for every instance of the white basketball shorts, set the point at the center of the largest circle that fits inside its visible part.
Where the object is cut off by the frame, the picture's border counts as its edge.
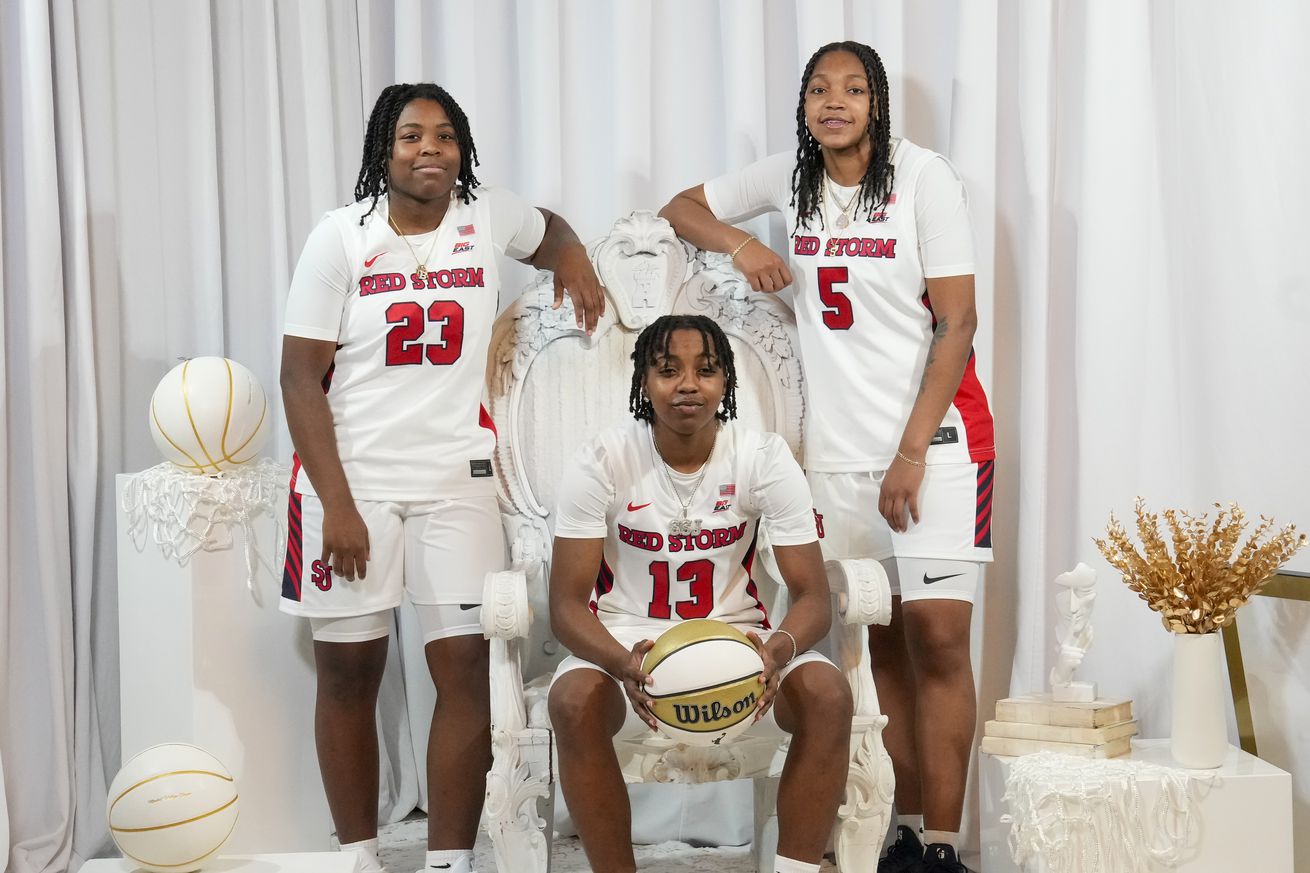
(629, 635)
(936, 557)
(438, 552)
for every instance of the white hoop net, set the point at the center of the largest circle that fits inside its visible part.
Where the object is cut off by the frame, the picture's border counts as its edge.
(1084, 815)
(184, 513)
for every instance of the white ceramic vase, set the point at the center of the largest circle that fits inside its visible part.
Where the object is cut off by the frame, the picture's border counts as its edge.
(1200, 724)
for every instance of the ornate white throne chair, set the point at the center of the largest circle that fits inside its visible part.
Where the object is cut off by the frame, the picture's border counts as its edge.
(552, 388)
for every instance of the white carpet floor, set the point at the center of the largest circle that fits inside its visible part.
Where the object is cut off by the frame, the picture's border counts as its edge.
(403, 845)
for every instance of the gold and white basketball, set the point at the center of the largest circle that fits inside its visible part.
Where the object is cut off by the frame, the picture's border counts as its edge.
(208, 415)
(706, 681)
(172, 807)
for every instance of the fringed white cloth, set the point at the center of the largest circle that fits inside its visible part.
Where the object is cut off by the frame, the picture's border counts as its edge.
(1085, 815)
(184, 513)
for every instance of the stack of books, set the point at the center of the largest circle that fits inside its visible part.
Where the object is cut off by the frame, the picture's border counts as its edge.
(1101, 728)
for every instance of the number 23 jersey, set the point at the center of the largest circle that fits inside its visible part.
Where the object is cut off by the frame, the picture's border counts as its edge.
(405, 386)
(616, 490)
(862, 311)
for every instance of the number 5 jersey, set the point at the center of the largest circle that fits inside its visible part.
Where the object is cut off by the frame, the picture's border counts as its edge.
(862, 310)
(617, 489)
(405, 386)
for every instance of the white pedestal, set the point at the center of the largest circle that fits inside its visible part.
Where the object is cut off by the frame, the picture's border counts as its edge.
(202, 661)
(309, 862)
(1245, 814)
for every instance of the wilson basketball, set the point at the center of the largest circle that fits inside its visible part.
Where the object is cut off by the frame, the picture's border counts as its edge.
(706, 681)
(208, 415)
(172, 807)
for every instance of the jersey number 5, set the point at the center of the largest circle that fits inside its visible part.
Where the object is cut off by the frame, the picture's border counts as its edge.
(837, 315)
(403, 345)
(701, 576)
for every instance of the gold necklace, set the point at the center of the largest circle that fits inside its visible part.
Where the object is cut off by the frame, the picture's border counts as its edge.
(422, 271)
(843, 220)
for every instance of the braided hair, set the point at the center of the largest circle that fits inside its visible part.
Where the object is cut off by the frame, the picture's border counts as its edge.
(380, 138)
(807, 178)
(653, 344)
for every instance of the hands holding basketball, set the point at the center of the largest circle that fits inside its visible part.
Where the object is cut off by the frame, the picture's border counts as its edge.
(769, 678)
(635, 680)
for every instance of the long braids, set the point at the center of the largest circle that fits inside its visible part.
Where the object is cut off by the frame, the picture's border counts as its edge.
(807, 178)
(380, 137)
(653, 344)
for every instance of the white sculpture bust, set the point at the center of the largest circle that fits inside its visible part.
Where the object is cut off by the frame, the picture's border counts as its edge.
(1073, 633)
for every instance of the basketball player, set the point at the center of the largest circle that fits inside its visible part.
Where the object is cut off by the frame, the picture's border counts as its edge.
(899, 447)
(383, 362)
(658, 521)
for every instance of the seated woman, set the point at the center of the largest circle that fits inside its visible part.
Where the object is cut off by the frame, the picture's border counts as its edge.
(655, 483)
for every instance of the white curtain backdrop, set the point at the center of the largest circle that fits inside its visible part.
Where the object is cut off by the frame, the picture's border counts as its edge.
(1136, 174)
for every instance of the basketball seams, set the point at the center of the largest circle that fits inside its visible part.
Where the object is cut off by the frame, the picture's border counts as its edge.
(703, 689)
(183, 864)
(174, 824)
(129, 789)
(186, 403)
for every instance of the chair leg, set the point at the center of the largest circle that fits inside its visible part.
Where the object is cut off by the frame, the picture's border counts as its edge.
(520, 837)
(765, 845)
(863, 817)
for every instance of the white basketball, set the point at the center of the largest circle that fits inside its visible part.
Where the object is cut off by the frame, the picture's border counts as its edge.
(208, 415)
(172, 807)
(706, 681)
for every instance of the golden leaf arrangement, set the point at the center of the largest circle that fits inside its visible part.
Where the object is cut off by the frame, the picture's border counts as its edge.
(1198, 589)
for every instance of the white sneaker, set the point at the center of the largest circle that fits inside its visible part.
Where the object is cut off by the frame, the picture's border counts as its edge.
(463, 865)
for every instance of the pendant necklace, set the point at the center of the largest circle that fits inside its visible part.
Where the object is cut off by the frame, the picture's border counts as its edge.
(843, 219)
(682, 525)
(422, 271)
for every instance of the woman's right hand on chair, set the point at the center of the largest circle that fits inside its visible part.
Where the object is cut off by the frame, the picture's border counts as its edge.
(345, 541)
(762, 267)
(635, 680)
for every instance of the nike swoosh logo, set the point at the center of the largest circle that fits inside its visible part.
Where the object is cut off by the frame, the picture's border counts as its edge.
(369, 263)
(928, 580)
(468, 606)
(633, 507)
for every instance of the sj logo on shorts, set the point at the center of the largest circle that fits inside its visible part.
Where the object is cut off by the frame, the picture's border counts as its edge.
(321, 575)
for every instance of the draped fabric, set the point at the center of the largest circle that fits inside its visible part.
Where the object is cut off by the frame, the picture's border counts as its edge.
(1135, 178)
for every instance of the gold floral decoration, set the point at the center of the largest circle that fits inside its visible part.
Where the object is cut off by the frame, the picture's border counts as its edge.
(1199, 587)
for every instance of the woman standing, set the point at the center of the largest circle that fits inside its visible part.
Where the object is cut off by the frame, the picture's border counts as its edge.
(899, 445)
(383, 362)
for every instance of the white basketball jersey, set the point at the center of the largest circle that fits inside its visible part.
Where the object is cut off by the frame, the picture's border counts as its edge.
(862, 308)
(405, 387)
(618, 489)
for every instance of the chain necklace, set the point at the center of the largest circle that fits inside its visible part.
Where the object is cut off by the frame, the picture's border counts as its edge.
(422, 271)
(682, 525)
(843, 220)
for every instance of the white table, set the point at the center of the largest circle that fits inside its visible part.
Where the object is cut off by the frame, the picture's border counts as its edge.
(203, 661)
(305, 862)
(1245, 814)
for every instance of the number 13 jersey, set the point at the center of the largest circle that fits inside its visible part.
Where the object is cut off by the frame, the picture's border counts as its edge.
(405, 386)
(862, 307)
(616, 489)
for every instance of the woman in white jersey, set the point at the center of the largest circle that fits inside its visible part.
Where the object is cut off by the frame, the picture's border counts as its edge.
(383, 361)
(899, 447)
(625, 569)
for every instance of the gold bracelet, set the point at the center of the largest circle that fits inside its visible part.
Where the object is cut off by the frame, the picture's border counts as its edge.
(737, 250)
(910, 460)
(793, 645)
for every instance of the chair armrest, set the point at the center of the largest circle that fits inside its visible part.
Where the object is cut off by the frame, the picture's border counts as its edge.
(506, 613)
(862, 589)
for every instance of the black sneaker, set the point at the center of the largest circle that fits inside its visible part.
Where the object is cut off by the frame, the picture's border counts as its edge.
(905, 855)
(940, 858)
